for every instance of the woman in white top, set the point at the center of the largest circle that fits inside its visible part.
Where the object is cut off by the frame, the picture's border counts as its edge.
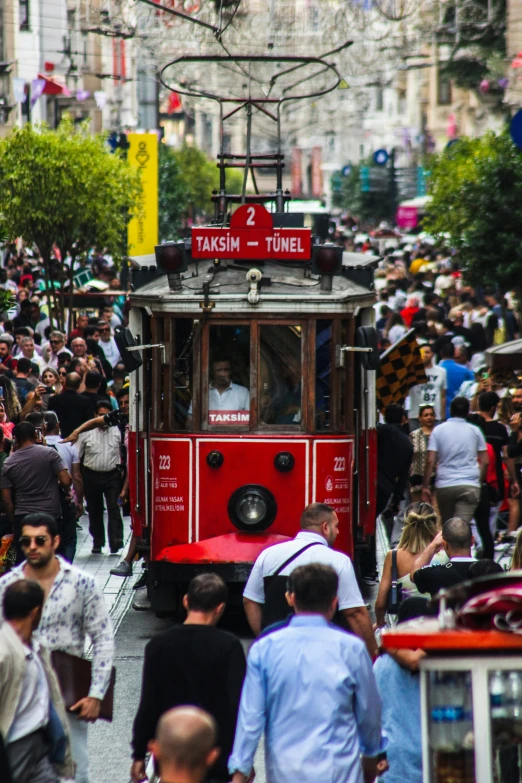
(421, 525)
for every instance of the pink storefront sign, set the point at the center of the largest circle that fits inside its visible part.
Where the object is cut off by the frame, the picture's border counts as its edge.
(407, 217)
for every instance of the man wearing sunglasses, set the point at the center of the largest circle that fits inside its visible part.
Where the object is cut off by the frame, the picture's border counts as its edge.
(108, 344)
(74, 608)
(57, 344)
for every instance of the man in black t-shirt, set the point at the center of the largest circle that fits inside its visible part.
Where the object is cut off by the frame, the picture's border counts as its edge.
(192, 664)
(71, 408)
(456, 539)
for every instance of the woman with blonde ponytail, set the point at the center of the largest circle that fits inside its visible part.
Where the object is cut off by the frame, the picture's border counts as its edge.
(421, 525)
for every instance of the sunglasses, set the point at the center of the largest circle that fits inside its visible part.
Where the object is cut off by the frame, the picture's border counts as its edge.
(54, 342)
(25, 541)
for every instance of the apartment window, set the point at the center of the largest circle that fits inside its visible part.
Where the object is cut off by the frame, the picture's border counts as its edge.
(379, 98)
(444, 91)
(23, 6)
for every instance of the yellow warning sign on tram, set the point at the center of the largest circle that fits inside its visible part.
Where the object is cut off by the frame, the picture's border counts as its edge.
(142, 232)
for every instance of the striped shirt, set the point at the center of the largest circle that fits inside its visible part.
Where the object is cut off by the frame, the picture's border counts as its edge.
(100, 449)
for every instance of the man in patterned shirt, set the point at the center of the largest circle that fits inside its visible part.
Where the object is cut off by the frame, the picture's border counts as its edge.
(74, 608)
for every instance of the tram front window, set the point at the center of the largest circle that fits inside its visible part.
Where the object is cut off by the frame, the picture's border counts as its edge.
(323, 347)
(182, 372)
(229, 376)
(280, 387)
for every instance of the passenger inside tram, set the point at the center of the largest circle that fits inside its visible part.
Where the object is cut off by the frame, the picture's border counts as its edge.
(224, 395)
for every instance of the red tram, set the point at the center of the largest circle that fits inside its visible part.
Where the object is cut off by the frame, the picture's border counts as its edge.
(250, 408)
(256, 391)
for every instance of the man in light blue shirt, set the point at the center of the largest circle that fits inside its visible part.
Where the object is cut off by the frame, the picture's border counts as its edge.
(456, 374)
(310, 687)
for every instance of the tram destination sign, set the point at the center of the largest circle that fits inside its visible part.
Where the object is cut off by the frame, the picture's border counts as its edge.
(251, 236)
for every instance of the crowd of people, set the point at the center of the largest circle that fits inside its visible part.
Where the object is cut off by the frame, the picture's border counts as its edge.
(421, 289)
(448, 488)
(203, 706)
(52, 382)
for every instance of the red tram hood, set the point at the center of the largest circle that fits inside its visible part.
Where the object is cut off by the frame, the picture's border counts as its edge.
(229, 548)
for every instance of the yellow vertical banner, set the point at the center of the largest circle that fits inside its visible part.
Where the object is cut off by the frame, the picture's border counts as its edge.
(142, 232)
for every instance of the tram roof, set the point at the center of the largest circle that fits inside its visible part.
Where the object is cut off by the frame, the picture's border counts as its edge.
(282, 289)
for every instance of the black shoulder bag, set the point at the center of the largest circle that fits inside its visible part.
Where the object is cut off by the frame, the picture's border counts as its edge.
(395, 594)
(275, 608)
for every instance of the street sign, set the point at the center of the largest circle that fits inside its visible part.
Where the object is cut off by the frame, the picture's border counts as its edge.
(380, 157)
(251, 236)
(347, 170)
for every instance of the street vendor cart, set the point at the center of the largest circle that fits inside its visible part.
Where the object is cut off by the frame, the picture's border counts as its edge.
(471, 699)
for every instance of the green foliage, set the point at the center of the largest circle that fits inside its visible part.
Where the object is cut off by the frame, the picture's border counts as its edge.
(365, 207)
(172, 196)
(186, 181)
(7, 300)
(65, 188)
(476, 187)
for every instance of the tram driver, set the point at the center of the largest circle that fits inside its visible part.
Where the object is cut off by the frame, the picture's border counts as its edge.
(228, 402)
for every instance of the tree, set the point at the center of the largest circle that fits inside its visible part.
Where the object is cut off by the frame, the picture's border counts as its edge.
(186, 181)
(64, 188)
(370, 207)
(172, 196)
(476, 190)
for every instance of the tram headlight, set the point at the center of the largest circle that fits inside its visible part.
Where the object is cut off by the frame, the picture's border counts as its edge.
(327, 259)
(171, 257)
(252, 508)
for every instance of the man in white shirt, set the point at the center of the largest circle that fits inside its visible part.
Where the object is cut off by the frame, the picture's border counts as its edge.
(74, 610)
(57, 347)
(100, 451)
(28, 351)
(431, 393)
(313, 544)
(223, 395)
(226, 400)
(459, 450)
(108, 344)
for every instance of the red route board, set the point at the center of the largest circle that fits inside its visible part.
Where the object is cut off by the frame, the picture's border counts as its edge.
(251, 236)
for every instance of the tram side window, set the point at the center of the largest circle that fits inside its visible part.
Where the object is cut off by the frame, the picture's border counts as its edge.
(323, 377)
(280, 381)
(229, 376)
(182, 373)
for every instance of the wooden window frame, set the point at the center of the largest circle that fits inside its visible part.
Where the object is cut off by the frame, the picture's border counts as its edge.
(163, 329)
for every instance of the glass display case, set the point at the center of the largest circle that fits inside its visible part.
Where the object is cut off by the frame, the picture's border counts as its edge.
(471, 703)
(472, 719)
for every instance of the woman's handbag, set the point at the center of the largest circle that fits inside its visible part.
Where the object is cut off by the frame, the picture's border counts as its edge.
(395, 594)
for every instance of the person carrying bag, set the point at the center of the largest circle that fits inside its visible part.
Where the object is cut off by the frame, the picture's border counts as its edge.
(276, 608)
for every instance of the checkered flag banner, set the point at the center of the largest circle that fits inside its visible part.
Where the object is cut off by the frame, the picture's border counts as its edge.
(401, 368)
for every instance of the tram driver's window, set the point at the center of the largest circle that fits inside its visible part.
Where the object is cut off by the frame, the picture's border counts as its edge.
(229, 376)
(182, 369)
(280, 383)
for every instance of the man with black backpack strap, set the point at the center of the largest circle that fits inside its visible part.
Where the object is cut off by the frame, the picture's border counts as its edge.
(264, 595)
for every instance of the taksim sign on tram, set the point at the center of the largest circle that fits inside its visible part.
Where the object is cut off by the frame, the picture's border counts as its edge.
(251, 235)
